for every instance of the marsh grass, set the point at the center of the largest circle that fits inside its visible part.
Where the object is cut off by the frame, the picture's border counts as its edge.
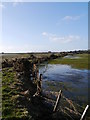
(9, 109)
(80, 63)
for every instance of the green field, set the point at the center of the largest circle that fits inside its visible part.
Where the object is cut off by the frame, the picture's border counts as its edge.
(81, 62)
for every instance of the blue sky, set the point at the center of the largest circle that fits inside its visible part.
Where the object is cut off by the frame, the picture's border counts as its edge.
(37, 27)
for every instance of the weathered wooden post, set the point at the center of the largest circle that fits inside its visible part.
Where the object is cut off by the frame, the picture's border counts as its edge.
(34, 72)
(37, 75)
(39, 85)
(84, 113)
(57, 101)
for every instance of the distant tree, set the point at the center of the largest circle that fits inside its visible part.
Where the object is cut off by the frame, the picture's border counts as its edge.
(49, 52)
(2, 52)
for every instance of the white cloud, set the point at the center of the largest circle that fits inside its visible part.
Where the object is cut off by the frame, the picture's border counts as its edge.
(64, 39)
(45, 34)
(68, 18)
(61, 39)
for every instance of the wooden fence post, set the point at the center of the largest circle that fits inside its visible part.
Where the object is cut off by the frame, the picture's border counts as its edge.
(57, 101)
(84, 113)
(39, 84)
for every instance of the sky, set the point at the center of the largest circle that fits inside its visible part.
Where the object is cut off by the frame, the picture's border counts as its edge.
(44, 0)
(42, 27)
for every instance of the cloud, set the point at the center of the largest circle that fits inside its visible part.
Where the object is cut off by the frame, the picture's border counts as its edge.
(68, 18)
(45, 34)
(61, 39)
(64, 39)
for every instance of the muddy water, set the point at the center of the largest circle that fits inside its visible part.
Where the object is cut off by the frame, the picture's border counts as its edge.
(73, 82)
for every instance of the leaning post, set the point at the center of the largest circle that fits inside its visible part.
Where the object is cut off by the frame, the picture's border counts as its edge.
(84, 113)
(57, 101)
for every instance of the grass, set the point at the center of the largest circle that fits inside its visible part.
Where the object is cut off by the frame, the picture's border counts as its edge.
(9, 108)
(16, 106)
(0, 74)
(79, 63)
(0, 93)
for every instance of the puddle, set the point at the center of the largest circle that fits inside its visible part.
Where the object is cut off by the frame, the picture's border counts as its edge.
(72, 57)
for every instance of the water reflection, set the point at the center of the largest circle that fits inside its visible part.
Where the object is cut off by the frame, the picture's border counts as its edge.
(73, 82)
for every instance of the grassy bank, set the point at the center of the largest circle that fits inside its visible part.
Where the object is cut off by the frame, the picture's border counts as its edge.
(81, 62)
(10, 93)
(16, 105)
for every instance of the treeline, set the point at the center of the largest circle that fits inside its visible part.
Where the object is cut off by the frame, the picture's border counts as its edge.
(50, 52)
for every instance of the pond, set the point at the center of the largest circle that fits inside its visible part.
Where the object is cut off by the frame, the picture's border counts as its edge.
(72, 57)
(73, 82)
